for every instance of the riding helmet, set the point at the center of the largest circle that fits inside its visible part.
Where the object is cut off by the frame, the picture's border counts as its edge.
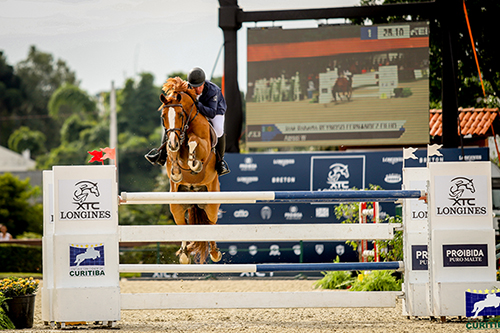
(196, 77)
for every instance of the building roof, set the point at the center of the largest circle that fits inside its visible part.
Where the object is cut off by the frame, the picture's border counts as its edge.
(473, 121)
(11, 161)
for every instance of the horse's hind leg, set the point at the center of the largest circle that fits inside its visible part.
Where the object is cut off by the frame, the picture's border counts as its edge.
(215, 253)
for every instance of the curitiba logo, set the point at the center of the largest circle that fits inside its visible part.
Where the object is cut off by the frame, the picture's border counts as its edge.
(86, 203)
(480, 304)
(86, 260)
(463, 201)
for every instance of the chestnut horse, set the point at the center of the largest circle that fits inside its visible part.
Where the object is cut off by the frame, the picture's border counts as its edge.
(190, 163)
(342, 85)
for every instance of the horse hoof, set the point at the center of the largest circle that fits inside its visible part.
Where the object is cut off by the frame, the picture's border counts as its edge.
(184, 259)
(217, 258)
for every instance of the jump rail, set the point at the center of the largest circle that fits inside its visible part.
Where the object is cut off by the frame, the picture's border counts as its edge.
(257, 232)
(260, 268)
(267, 197)
(261, 300)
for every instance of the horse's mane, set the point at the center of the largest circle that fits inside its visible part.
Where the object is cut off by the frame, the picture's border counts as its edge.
(176, 84)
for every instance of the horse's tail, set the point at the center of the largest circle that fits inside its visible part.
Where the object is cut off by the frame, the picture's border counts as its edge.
(200, 250)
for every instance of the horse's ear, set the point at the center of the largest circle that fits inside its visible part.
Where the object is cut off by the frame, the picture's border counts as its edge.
(163, 99)
(179, 97)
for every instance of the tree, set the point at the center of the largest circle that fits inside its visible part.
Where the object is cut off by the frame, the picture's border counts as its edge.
(138, 106)
(182, 75)
(41, 75)
(11, 99)
(138, 119)
(25, 138)
(136, 174)
(78, 137)
(17, 212)
(69, 100)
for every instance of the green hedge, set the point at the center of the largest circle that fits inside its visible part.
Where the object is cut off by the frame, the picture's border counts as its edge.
(28, 259)
(149, 254)
(20, 258)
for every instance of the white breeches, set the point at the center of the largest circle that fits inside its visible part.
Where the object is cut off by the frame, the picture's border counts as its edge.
(218, 124)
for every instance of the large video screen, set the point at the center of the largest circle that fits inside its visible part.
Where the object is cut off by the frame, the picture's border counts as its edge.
(338, 85)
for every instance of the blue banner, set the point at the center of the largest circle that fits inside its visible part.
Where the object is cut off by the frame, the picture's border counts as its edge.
(318, 171)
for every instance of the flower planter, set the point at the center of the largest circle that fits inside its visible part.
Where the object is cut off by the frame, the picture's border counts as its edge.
(21, 310)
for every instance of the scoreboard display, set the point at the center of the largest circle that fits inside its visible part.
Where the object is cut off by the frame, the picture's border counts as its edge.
(338, 85)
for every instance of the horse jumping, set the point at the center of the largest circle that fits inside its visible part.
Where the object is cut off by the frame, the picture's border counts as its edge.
(190, 163)
(342, 85)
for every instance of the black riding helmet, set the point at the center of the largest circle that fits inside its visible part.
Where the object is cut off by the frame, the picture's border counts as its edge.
(196, 77)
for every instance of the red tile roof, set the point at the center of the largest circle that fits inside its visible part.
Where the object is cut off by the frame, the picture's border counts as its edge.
(472, 121)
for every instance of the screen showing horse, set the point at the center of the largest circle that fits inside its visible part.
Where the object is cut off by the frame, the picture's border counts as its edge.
(338, 85)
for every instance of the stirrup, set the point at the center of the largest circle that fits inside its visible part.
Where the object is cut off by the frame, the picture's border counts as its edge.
(152, 156)
(156, 156)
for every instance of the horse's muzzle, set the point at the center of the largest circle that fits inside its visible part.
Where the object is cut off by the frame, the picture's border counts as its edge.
(173, 148)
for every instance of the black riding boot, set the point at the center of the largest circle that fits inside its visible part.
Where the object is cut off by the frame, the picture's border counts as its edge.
(221, 166)
(158, 155)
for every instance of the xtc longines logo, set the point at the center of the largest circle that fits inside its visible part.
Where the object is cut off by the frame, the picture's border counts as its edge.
(462, 198)
(337, 171)
(83, 189)
(86, 203)
(457, 189)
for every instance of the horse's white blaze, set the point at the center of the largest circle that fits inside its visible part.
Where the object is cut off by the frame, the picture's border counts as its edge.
(171, 122)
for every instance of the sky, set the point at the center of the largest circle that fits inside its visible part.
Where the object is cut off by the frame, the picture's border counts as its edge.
(106, 41)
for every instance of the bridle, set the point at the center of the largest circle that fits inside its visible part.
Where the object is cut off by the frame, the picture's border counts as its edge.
(186, 120)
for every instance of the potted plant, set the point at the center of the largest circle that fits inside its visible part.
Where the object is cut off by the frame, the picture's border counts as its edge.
(20, 300)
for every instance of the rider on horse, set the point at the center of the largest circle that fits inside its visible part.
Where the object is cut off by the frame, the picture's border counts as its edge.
(212, 105)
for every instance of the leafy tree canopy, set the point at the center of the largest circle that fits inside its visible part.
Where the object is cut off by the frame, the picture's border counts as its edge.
(25, 138)
(11, 98)
(138, 105)
(17, 212)
(482, 16)
(69, 100)
(40, 76)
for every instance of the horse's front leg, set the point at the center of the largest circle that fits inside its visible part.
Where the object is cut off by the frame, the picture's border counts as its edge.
(179, 214)
(194, 164)
(173, 165)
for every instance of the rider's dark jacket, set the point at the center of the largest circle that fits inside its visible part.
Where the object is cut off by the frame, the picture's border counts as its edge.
(211, 101)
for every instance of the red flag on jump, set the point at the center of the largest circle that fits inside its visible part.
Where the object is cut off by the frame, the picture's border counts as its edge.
(109, 153)
(96, 156)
